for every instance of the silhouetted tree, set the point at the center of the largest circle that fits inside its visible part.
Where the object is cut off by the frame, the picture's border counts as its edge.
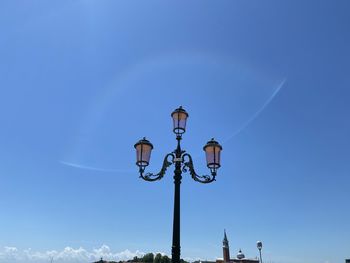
(165, 259)
(158, 258)
(148, 258)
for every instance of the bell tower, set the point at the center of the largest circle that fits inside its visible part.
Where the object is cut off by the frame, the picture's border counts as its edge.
(226, 249)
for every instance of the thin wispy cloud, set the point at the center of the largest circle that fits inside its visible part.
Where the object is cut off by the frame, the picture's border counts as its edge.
(98, 169)
(258, 112)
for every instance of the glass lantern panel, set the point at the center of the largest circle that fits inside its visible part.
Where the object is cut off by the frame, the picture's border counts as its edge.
(179, 121)
(143, 154)
(213, 156)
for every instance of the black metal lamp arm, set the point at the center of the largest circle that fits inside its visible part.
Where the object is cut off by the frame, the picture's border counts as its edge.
(154, 177)
(188, 166)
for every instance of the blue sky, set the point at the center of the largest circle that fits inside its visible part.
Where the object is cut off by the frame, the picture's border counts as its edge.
(82, 81)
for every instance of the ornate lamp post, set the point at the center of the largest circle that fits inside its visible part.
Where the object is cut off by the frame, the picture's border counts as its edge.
(183, 163)
(259, 246)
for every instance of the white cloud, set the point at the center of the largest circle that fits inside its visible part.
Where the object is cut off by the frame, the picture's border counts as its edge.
(67, 255)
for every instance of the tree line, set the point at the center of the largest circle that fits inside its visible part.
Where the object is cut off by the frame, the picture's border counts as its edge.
(157, 258)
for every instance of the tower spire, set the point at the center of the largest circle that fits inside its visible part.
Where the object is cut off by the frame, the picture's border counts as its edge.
(226, 248)
(225, 237)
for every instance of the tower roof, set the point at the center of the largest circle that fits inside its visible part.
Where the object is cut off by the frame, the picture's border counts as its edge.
(225, 237)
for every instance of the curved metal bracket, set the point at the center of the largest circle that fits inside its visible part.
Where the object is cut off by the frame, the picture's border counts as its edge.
(188, 166)
(154, 177)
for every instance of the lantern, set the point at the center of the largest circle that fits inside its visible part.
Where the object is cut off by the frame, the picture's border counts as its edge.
(179, 120)
(259, 245)
(143, 152)
(212, 151)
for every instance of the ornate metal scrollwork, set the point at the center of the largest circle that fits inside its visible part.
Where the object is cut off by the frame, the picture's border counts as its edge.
(154, 177)
(188, 166)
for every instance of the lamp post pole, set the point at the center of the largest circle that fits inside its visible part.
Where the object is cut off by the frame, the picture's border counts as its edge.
(183, 163)
(259, 246)
(175, 250)
(260, 256)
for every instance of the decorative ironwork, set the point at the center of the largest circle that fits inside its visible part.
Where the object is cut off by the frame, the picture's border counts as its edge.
(188, 166)
(154, 177)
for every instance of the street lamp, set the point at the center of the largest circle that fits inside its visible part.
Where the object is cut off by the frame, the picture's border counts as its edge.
(259, 246)
(183, 163)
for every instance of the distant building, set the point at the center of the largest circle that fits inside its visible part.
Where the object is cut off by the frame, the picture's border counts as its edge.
(104, 261)
(240, 258)
(347, 260)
